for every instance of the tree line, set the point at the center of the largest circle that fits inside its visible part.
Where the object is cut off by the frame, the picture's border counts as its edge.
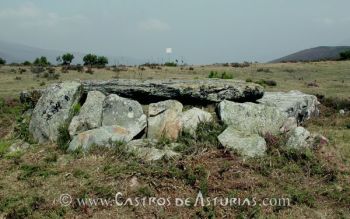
(66, 59)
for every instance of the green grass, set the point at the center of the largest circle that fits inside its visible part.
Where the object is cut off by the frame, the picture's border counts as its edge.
(4, 146)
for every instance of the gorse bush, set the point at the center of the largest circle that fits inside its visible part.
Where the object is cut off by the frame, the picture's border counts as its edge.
(170, 64)
(42, 61)
(205, 137)
(334, 102)
(266, 70)
(345, 55)
(63, 137)
(2, 61)
(223, 75)
(264, 82)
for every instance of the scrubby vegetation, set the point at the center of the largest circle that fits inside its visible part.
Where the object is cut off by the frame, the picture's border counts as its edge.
(42, 61)
(170, 64)
(223, 75)
(264, 83)
(345, 55)
(94, 60)
(2, 61)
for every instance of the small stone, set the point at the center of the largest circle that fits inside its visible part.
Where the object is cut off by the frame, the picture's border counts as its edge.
(192, 118)
(146, 150)
(299, 138)
(249, 145)
(104, 136)
(290, 124)
(252, 118)
(164, 120)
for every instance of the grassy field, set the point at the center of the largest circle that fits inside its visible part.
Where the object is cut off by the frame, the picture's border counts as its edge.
(333, 78)
(316, 182)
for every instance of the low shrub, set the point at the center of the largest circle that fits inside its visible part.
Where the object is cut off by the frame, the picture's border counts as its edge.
(37, 69)
(63, 137)
(334, 102)
(223, 75)
(170, 64)
(76, 109)
(263, 82)
(266, 70)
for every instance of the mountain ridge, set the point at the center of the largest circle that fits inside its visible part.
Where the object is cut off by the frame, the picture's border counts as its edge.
(18, 53)
(314, 54)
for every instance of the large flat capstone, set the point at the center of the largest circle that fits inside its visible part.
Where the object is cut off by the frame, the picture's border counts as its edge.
(200, 91)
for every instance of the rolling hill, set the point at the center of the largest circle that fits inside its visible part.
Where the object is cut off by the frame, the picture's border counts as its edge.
(18, 53)
(314, 54)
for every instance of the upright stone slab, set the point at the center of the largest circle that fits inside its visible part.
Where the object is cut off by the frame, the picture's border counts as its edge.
(123, 112)
(297, 104)
(104, 136)
(90, 115)
(251, 117)
(53, 109)
(164, 120)
(192, 118)
(249, 145)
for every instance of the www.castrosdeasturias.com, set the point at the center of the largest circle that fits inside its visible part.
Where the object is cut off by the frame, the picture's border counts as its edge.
(119, 200)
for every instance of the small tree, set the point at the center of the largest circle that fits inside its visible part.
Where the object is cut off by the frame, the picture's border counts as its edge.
(26, 63)
(2, 61)
(42, 61)
(102, 61)
(67, 58)
(90, 59)
(345, 55)
(58, 60)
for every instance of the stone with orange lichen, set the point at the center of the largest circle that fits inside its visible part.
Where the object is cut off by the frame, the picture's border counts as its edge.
(164, 120)
(104, 136)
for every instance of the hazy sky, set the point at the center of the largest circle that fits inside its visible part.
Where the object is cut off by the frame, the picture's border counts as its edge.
(202, 31)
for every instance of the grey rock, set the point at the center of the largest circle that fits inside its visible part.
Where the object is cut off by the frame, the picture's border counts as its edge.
(200, 91)
(290, 124)
(299, 138)
(192, 118)
(19, 145)
(295, 103)
(342, 112)
(31, 98)
(123, 112)
(53, 109)
(155, 109)
(145, 149)
(249, 145)
(251, 117)
(90, 115)
(104, 136)
(164, 120)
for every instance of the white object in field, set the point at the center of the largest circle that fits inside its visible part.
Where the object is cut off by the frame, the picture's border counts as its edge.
(169, 50)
